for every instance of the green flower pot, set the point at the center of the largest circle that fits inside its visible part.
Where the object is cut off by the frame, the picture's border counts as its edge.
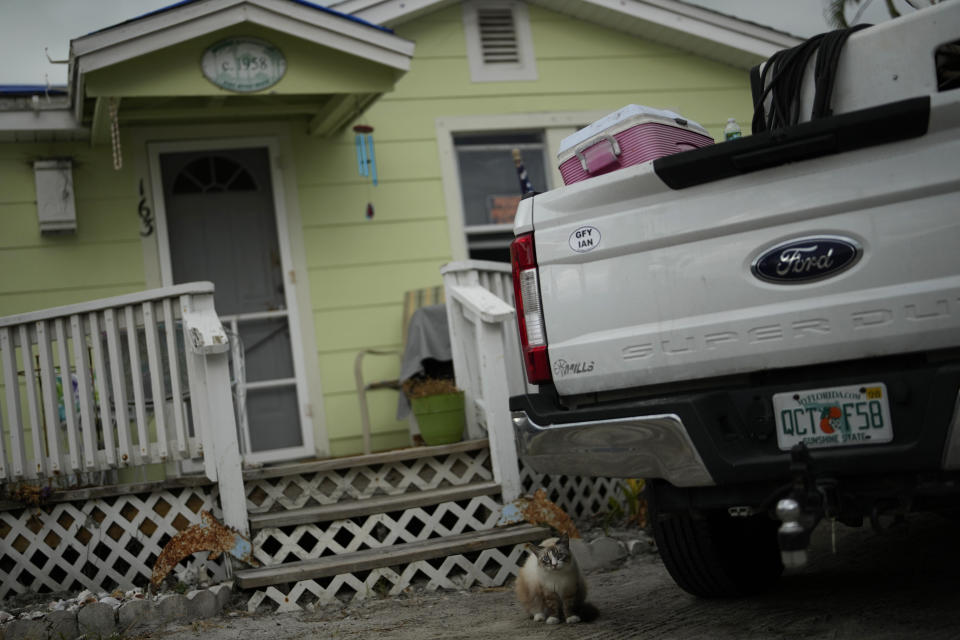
(440, 417)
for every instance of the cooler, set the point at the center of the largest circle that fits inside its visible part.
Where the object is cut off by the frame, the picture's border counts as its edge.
(628, 136)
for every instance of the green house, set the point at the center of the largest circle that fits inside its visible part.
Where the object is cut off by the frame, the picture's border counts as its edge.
(317, 163)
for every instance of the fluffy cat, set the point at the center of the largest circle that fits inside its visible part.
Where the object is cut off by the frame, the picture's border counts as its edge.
(550, 586)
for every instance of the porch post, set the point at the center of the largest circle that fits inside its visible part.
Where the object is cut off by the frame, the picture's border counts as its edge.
(210, 349)
(486, 387)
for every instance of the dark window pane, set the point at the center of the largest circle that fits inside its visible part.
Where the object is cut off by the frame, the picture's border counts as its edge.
(224, 169)
(243, 181)
(184, 184)
(200, 170)
(488, 176)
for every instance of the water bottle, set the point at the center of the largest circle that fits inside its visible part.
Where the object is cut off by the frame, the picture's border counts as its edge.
(732, 130)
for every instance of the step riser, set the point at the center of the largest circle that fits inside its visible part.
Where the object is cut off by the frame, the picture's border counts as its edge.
(305, 487)
(274, 546)
(488, 568)
(377, 504)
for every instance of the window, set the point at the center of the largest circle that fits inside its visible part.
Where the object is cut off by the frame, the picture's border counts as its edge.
(480, 182)
(490, 186)
(499, 44)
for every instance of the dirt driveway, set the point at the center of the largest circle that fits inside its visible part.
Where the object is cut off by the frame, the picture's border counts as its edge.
(890, 586)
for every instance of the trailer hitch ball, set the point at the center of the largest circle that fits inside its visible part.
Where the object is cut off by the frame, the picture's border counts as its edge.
(792, 536)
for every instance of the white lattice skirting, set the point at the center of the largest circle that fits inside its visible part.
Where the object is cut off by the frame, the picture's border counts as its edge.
(100, 544)
(579, 496)
(276, 545)
(487, 568)
(356, 483)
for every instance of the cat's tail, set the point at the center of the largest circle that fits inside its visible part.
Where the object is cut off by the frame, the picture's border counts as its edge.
(588, 612)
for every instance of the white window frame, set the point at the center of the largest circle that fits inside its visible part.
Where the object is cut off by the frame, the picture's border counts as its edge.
(525, 70)
(555, 127)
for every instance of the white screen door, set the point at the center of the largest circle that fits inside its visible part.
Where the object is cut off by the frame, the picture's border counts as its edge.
(221, 226)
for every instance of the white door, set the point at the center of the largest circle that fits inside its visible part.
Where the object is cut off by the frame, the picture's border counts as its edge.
(221, 226)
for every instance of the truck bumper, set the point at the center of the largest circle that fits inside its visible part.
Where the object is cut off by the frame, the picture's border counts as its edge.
(723, 432)
(651, 446)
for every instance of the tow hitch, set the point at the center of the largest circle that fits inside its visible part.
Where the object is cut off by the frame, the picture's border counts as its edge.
(800, 513)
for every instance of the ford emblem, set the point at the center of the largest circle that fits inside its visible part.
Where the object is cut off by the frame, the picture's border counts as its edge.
(806, 259)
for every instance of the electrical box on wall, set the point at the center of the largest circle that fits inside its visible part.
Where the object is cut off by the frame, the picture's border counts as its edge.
(56, 210)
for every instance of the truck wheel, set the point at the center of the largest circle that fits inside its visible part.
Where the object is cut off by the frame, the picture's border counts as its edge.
(715, 555)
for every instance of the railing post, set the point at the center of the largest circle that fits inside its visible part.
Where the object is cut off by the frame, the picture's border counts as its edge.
(503, 445)
(488, 316)
(210, 352)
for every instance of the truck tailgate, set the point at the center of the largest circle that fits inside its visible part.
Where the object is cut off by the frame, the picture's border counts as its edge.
(643, 285)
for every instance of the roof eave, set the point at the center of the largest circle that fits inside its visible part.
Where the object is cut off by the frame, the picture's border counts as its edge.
(43, 120)
(702, 31)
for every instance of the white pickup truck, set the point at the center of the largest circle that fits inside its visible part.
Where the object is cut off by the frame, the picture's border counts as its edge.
(767, 329)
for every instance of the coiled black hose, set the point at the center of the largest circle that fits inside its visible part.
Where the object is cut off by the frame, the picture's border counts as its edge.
(781, 79)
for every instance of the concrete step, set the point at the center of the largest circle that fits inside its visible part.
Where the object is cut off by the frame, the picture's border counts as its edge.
(397, 554)
(376, 504)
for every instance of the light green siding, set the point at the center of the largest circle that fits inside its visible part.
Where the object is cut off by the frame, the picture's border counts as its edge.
(103, 258)
(357, 268)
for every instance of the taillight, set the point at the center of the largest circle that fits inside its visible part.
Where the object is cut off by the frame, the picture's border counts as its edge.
(526, 293)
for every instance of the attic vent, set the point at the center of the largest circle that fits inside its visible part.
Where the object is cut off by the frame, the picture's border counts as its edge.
(498, 38)
(499, 45)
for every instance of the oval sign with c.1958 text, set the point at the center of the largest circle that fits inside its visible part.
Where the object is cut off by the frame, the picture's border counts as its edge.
(806, 259)
(243, 64)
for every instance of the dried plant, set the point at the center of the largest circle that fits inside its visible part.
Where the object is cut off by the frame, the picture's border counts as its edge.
(424, 387)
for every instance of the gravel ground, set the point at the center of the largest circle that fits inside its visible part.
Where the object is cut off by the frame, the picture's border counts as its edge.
(888, 586)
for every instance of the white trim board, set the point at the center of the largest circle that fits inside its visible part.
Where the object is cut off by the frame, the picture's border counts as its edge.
(298, 344)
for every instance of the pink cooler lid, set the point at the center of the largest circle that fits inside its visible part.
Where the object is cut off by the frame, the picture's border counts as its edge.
(624, 118)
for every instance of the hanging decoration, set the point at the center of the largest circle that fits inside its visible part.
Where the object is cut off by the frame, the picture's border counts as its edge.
(115, 136)
(366, 160)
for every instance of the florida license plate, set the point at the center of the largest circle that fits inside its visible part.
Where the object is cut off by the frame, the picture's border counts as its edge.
(833, 417)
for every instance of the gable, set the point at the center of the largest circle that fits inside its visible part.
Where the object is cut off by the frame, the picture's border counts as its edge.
(325, 65)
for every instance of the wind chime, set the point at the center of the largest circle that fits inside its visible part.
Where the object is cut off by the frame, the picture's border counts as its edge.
(366, 160)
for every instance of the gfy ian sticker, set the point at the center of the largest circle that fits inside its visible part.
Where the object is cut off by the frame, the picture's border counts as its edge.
(585, 239)
(563, 368)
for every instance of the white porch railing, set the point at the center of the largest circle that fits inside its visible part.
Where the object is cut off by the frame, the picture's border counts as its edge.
(486, 358)
(116, 383)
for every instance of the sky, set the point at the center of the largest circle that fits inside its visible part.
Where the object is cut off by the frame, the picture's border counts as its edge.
(27, 27)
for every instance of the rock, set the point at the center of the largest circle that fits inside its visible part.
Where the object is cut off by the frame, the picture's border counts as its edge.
(22, 629)
(171, 608)
(222, 592)
(602, 553)
(97, 618)
(201, 604)
(58, 605)
(136, 615)
(62, 624)
(637, 547)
